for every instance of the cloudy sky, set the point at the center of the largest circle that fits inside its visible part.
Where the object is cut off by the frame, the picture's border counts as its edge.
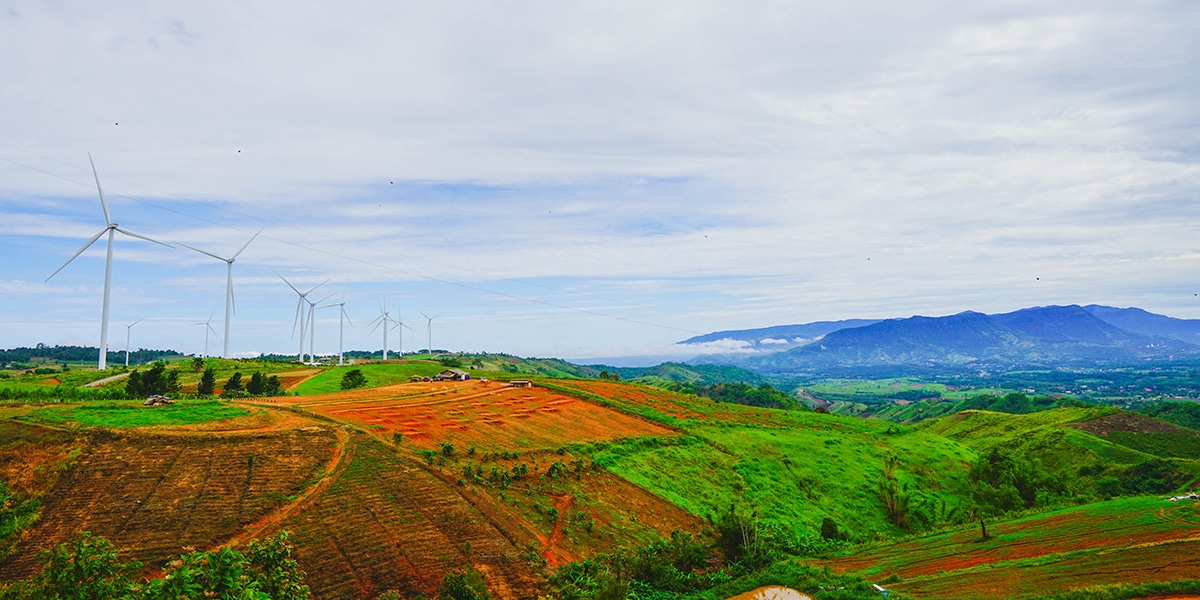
(592, 179)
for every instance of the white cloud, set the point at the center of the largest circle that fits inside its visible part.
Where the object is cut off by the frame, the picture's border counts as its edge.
(693, 165)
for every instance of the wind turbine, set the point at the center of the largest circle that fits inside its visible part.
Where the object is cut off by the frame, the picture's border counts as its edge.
(207, 328)
(399, 321)
(342, 318)
(299, 311)
(429, 330)
(109, 228)
(312, 326)
(128, 327)
(383, 319)
(229, 304)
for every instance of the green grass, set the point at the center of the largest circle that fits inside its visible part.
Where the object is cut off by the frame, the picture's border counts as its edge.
(794, 476)
(132, 414)
(377, 374)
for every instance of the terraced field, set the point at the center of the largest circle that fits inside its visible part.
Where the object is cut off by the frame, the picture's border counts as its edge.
(1129, 540)
(154, 494)
(386, 523)
(488, 415)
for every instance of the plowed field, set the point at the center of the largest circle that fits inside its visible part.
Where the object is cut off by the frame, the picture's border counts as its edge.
(491, 415)
(151, 495)
(386, 524)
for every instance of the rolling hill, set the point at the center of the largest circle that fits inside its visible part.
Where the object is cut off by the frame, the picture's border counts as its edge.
(396, 486)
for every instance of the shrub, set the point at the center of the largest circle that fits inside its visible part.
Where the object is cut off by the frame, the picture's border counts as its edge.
(353, 378)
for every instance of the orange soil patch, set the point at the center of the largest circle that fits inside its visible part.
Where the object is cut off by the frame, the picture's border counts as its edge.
(50, 381)
(477, 414)
(673, 404)
(290, 379)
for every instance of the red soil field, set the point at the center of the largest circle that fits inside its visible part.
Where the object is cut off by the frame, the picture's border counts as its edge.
(386, 523)
(488, 415)
(681, 406)
(151, 495)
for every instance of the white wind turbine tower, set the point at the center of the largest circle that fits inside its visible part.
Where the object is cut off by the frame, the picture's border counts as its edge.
(207, 328)
(383, 319)
(399, 321)
(299, 311)
(312, 326)
(128, 327)
(229, 304)
(429, 330)
(109, 228)
(342, 319)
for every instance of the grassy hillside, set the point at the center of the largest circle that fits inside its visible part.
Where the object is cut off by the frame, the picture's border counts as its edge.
(793, 468)
(1114, 542)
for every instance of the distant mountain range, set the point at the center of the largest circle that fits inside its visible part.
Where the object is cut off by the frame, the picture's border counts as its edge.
(1047, 336)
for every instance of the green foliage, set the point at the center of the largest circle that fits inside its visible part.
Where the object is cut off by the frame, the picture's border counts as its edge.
(463, 585)
(197, 364)
(1182, 413)
(257, 385)
(233, 386)
(208, 383)
(87, 568)
(763, 396)
(352, 379)
(16, 513)
(1003, 482)
(153, 381)
(1155, 476)
(450, 362)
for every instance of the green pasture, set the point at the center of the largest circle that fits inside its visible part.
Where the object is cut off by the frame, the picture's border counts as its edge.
(127, 414)
(377, 374)
(1037, 554)
(794, 476)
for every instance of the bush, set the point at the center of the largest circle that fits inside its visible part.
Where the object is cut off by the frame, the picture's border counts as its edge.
(353, 378)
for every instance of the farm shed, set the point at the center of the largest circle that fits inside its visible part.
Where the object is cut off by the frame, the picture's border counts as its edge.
(453, 375)
(521, 383)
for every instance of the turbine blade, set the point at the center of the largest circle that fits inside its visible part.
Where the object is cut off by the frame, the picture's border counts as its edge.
(316, 286)
(235, 254)
(296, 319)
(423, 314)
(289, 284)
(408, 328)
(232, 297)
(103, 203)
(346, 315)
(140, 236)
(78, 252)
(200, 251)
(323, 299)
(136, 322)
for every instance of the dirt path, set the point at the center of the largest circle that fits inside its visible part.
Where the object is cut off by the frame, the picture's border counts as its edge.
(553, 552)
(100, 382)
(343, 452)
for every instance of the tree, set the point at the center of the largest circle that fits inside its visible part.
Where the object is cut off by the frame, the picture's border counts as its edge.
(353, 378)
(257, 385)
(208, 383)
(463, 585)
(197, 364)
(86, 567)
(233, 386)
(279, 574)
(274, 387)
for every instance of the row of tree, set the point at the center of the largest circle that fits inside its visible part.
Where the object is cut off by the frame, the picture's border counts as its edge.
(158, 380)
